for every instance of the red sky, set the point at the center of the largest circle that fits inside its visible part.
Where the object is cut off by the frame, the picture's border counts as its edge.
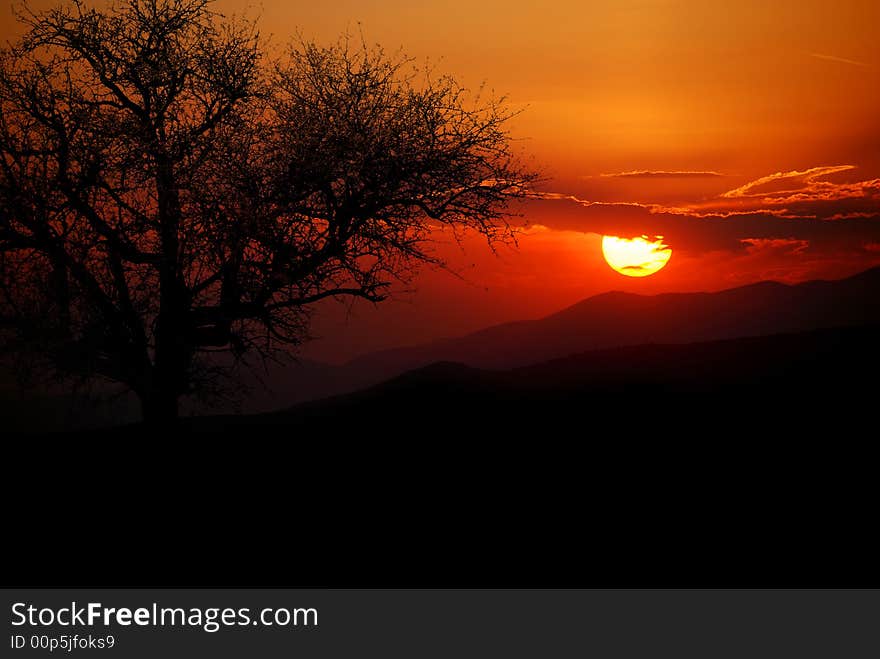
(745, 133)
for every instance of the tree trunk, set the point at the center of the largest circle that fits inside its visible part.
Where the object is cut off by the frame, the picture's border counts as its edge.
(159, 406)
(166, 377)
(170, 357)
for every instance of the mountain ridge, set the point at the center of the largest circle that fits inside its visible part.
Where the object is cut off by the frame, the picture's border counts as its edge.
(754, 309)
(606, 320)
(617, 294)
(793, 382)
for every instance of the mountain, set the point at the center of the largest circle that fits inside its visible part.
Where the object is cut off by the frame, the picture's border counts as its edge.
(818, 384)
(617, 319)
(603, 321)
(608, 320)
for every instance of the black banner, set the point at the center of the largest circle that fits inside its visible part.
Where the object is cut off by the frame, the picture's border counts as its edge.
(408, 624)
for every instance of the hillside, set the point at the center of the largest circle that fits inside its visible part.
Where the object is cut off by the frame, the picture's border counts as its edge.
(785, 383)
(610, 320)
(603, 321)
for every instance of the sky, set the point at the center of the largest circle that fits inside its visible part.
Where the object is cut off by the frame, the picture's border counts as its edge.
(746, 134)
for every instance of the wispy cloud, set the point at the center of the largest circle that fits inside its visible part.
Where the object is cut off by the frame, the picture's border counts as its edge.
(853, 215)
(827, 191)
(785, 214)
(586, 202)
(841, 60)
(788, 245)
(798, 194)
(646, 173)
(798, 181)
(715, 213)
(720, 213)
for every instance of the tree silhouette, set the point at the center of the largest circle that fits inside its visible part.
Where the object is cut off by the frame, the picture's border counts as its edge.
(168, 190)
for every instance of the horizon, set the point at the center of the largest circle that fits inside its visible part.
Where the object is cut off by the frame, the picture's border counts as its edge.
(514, 321)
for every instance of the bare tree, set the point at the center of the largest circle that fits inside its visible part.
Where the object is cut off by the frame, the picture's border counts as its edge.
(167, 191)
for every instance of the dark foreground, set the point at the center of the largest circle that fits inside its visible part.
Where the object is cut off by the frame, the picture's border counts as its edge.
(730, 463)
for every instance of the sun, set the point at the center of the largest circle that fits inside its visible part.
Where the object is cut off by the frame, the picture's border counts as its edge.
(636, 257)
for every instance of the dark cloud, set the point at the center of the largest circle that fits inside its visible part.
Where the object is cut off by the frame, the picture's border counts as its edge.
(803, 206)
(700, 234)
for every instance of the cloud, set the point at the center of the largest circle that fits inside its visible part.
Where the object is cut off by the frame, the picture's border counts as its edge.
(826, 191)
(841, 60)
(644, 173)
(790, 195)
(850, 215)
(801, 214)
(788, 226)
(795, 180)
(661, 208)
(721, 213)
(801, 194)
(698, 234)
(585, 202)
(785, 245)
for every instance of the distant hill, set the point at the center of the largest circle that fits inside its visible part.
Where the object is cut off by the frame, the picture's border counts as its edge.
(608, 320)
(603, 321)
(787, 384)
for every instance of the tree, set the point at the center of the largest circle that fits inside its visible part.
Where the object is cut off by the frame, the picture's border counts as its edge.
(168, 190)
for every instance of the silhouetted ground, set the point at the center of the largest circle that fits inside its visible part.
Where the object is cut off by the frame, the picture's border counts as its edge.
(730, 463)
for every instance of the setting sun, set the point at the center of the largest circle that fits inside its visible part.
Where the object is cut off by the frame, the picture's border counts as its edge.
(636, 257)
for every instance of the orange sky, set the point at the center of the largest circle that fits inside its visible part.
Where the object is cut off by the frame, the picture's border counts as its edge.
(700, 101)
